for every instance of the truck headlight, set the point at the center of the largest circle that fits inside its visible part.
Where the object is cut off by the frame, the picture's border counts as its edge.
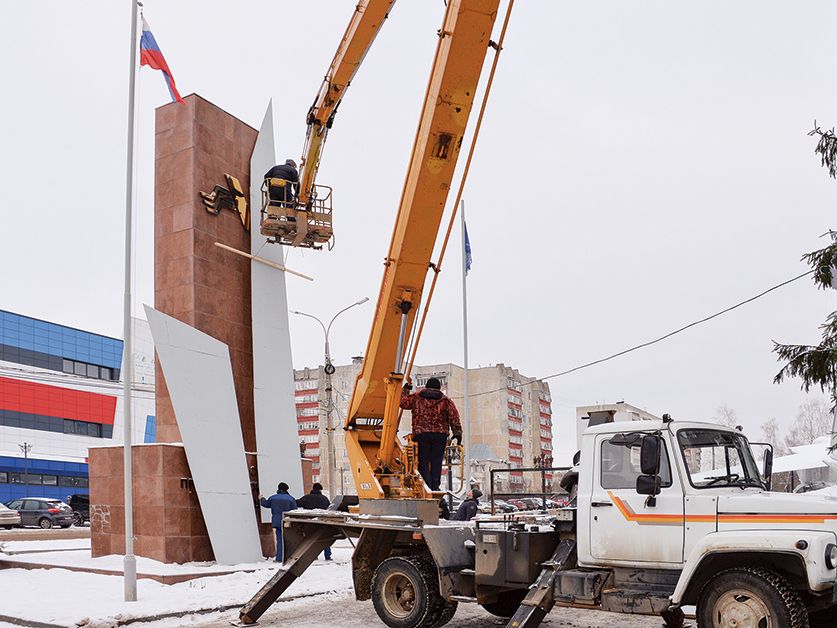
(831, 556)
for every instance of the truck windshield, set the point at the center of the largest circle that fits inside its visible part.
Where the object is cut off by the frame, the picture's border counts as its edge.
(716, 458)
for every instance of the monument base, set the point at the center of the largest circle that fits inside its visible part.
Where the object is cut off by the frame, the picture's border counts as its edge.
(168, 524)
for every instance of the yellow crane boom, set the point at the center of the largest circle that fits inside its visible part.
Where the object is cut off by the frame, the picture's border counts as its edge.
(382, 466)
(364, 26)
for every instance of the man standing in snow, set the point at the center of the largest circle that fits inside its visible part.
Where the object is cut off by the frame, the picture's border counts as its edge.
(468, 509)
(433, 416)
(279, 504)
(313, 501)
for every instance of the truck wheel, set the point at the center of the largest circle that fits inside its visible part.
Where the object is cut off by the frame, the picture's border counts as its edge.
(448, 612)
(507, 603)
(750, 598)
(405, 593)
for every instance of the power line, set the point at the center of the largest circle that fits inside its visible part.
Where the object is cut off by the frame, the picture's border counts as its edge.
(656, 340)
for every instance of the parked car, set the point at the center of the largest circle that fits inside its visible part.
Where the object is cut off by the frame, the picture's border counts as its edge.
(504, 506)
(9, 518)
(42, 511)
(532, 503)
(80, 504)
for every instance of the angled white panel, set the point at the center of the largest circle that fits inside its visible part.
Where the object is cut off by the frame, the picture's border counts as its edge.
(277, 440)
(200, 381)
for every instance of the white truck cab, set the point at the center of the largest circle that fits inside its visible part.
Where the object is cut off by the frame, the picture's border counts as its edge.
(706, 510)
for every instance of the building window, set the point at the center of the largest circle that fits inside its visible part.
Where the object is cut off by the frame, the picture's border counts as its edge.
(421, 380)
(73, 482)
(15, 478)
(4, 477)
(67, 366)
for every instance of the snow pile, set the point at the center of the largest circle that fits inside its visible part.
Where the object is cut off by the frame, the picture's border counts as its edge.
(22, 547)
(67, 598)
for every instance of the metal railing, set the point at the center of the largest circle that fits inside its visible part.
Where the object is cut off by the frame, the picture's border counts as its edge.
(544, 494)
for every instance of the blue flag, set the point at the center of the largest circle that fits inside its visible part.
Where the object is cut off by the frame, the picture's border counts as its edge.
(467, 250)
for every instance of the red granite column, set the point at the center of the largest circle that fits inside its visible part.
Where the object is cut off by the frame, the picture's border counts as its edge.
(195, 281)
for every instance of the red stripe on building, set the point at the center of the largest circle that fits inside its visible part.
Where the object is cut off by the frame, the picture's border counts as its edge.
(20, 396)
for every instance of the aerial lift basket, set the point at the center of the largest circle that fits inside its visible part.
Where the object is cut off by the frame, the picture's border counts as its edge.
(286, 222)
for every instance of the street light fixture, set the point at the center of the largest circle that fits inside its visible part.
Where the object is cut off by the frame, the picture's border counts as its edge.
(329, 371)
(25, 448)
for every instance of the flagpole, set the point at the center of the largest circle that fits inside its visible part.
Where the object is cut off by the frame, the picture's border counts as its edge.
(466, 404)
(130, 561)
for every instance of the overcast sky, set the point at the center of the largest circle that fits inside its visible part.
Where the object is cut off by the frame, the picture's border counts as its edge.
(641, 165)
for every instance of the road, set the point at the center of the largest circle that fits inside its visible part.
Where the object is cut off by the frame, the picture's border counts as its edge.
(326, 611)
(36, 534)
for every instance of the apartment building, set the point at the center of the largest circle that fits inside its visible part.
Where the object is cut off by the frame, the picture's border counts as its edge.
(511, 420)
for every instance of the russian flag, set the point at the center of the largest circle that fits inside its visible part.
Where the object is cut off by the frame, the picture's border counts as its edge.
(151, 55)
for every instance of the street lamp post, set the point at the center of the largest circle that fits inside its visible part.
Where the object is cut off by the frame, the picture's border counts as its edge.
(25, 448)
(329, 406)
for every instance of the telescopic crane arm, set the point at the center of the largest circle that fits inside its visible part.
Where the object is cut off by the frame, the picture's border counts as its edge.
(382, 466)
(366, 22)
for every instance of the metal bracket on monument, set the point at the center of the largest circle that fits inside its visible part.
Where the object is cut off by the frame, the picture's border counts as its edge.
(232, 198)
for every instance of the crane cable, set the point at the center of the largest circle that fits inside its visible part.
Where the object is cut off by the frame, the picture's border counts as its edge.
(437, 267)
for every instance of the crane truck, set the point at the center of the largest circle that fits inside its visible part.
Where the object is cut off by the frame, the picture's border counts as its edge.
(668, 513)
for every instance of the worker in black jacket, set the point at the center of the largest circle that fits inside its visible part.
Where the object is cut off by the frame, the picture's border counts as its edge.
(468, 509)
(313, 501)
(287, 172)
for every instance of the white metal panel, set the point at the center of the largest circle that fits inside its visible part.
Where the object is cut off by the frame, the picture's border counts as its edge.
(277, 438)
(199, 377)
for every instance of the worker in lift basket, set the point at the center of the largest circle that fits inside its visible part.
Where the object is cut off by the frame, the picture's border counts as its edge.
(279, 504)
(288, 172)
(433, 416)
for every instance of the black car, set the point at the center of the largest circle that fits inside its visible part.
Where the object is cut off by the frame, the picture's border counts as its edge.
(80, 504)
(42, 511)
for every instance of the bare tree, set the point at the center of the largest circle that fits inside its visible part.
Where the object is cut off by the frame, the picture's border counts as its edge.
(770, 434)
(812, 421)
(726, 416)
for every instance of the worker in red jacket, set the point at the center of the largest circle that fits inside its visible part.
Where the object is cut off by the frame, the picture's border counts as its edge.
(434, 415)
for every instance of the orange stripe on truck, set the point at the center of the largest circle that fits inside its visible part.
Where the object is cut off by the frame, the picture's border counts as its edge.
(670, 519)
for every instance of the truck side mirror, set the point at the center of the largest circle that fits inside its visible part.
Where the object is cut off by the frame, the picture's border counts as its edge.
(768, 468)
(649, 454)
(648, 485)
(649, 463)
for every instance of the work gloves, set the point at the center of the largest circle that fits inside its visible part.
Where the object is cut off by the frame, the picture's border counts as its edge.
(407, 387)
(456, 439)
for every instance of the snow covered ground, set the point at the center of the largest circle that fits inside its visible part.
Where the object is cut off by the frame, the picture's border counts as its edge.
(66, 598)
(322, 597)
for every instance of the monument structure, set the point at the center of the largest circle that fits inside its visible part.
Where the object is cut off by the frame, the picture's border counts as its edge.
(198, 147)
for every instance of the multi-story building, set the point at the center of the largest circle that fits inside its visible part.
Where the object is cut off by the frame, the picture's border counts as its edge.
(60, 394)
(510, 418)
(587, 416)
